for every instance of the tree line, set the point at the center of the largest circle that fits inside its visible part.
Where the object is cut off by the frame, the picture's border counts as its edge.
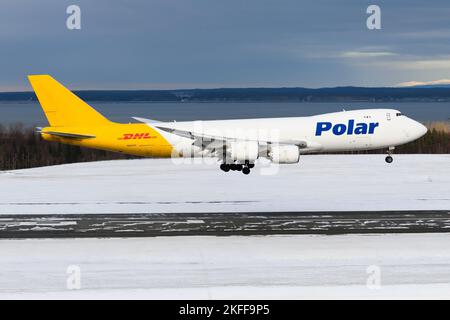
(21, 147)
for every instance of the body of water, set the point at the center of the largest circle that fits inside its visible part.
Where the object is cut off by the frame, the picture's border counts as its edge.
(30, 113)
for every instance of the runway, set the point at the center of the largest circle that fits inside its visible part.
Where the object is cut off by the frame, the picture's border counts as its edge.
(221, 224)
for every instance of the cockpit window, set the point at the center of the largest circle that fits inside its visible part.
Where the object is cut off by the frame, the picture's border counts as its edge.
(399, 114)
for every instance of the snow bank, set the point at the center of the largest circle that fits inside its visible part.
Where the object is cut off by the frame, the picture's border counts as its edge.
(270, 267)
(318, 183)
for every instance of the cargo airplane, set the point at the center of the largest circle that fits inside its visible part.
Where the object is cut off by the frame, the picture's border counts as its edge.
(237, 143)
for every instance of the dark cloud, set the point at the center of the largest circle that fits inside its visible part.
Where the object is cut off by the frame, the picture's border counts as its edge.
(204, 43)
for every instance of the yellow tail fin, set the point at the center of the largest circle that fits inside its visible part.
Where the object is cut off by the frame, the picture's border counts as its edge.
(61, 107)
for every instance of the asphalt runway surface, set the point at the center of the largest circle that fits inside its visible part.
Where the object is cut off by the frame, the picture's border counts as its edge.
(221, 224)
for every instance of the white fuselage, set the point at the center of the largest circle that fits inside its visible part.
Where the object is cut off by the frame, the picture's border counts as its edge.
(332, 132)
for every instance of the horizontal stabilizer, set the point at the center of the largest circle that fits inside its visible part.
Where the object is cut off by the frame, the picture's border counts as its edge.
(68, 135)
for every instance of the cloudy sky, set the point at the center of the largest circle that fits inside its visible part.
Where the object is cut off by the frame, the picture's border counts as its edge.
(152, 44)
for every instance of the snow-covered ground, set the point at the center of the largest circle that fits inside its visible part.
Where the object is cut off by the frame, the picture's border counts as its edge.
(319, 182)
(258, 267)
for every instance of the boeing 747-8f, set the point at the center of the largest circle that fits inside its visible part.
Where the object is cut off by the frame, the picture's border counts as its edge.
(236, 143)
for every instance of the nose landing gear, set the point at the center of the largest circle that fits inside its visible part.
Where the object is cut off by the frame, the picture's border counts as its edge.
(389, 158)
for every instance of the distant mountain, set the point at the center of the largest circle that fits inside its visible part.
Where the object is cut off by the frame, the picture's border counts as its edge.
(337, 94)
(432, 86)
(442, 83)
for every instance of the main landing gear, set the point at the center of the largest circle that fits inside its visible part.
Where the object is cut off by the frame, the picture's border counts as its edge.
(245, 168)
(389, 158)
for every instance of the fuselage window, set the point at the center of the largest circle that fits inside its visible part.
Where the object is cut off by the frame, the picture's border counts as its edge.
(399, 114)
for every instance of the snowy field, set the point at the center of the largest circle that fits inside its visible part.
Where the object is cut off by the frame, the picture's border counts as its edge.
(318, 183)
(270, 267)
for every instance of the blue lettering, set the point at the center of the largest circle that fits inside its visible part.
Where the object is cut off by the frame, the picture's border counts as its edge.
(322, 126)
(339, 129)
(351, 125)
(361, 128)
(372, 127)
(349, 128)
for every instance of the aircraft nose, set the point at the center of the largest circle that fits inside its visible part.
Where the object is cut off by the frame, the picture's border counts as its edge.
(421, 130)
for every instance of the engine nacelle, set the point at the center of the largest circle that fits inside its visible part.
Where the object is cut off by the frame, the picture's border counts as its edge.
(284, 154)
(244, 150)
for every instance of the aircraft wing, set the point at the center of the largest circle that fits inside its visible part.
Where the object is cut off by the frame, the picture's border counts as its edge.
(215, 142)
(146, 120)
(201, 140)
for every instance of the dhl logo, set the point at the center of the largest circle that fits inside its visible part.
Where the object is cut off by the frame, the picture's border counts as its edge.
(129, 136)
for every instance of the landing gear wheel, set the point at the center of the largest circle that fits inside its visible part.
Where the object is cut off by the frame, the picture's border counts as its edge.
(248, 164)
(239, 167)
(389, 158)
(245, 170)
(225, 167)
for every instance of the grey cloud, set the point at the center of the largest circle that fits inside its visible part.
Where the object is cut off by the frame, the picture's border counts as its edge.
(190, 43)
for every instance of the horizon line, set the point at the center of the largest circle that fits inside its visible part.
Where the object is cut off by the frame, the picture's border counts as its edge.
(249, 88)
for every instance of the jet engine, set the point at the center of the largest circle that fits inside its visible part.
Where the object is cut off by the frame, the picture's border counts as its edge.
(284, 154)
(243, 150)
